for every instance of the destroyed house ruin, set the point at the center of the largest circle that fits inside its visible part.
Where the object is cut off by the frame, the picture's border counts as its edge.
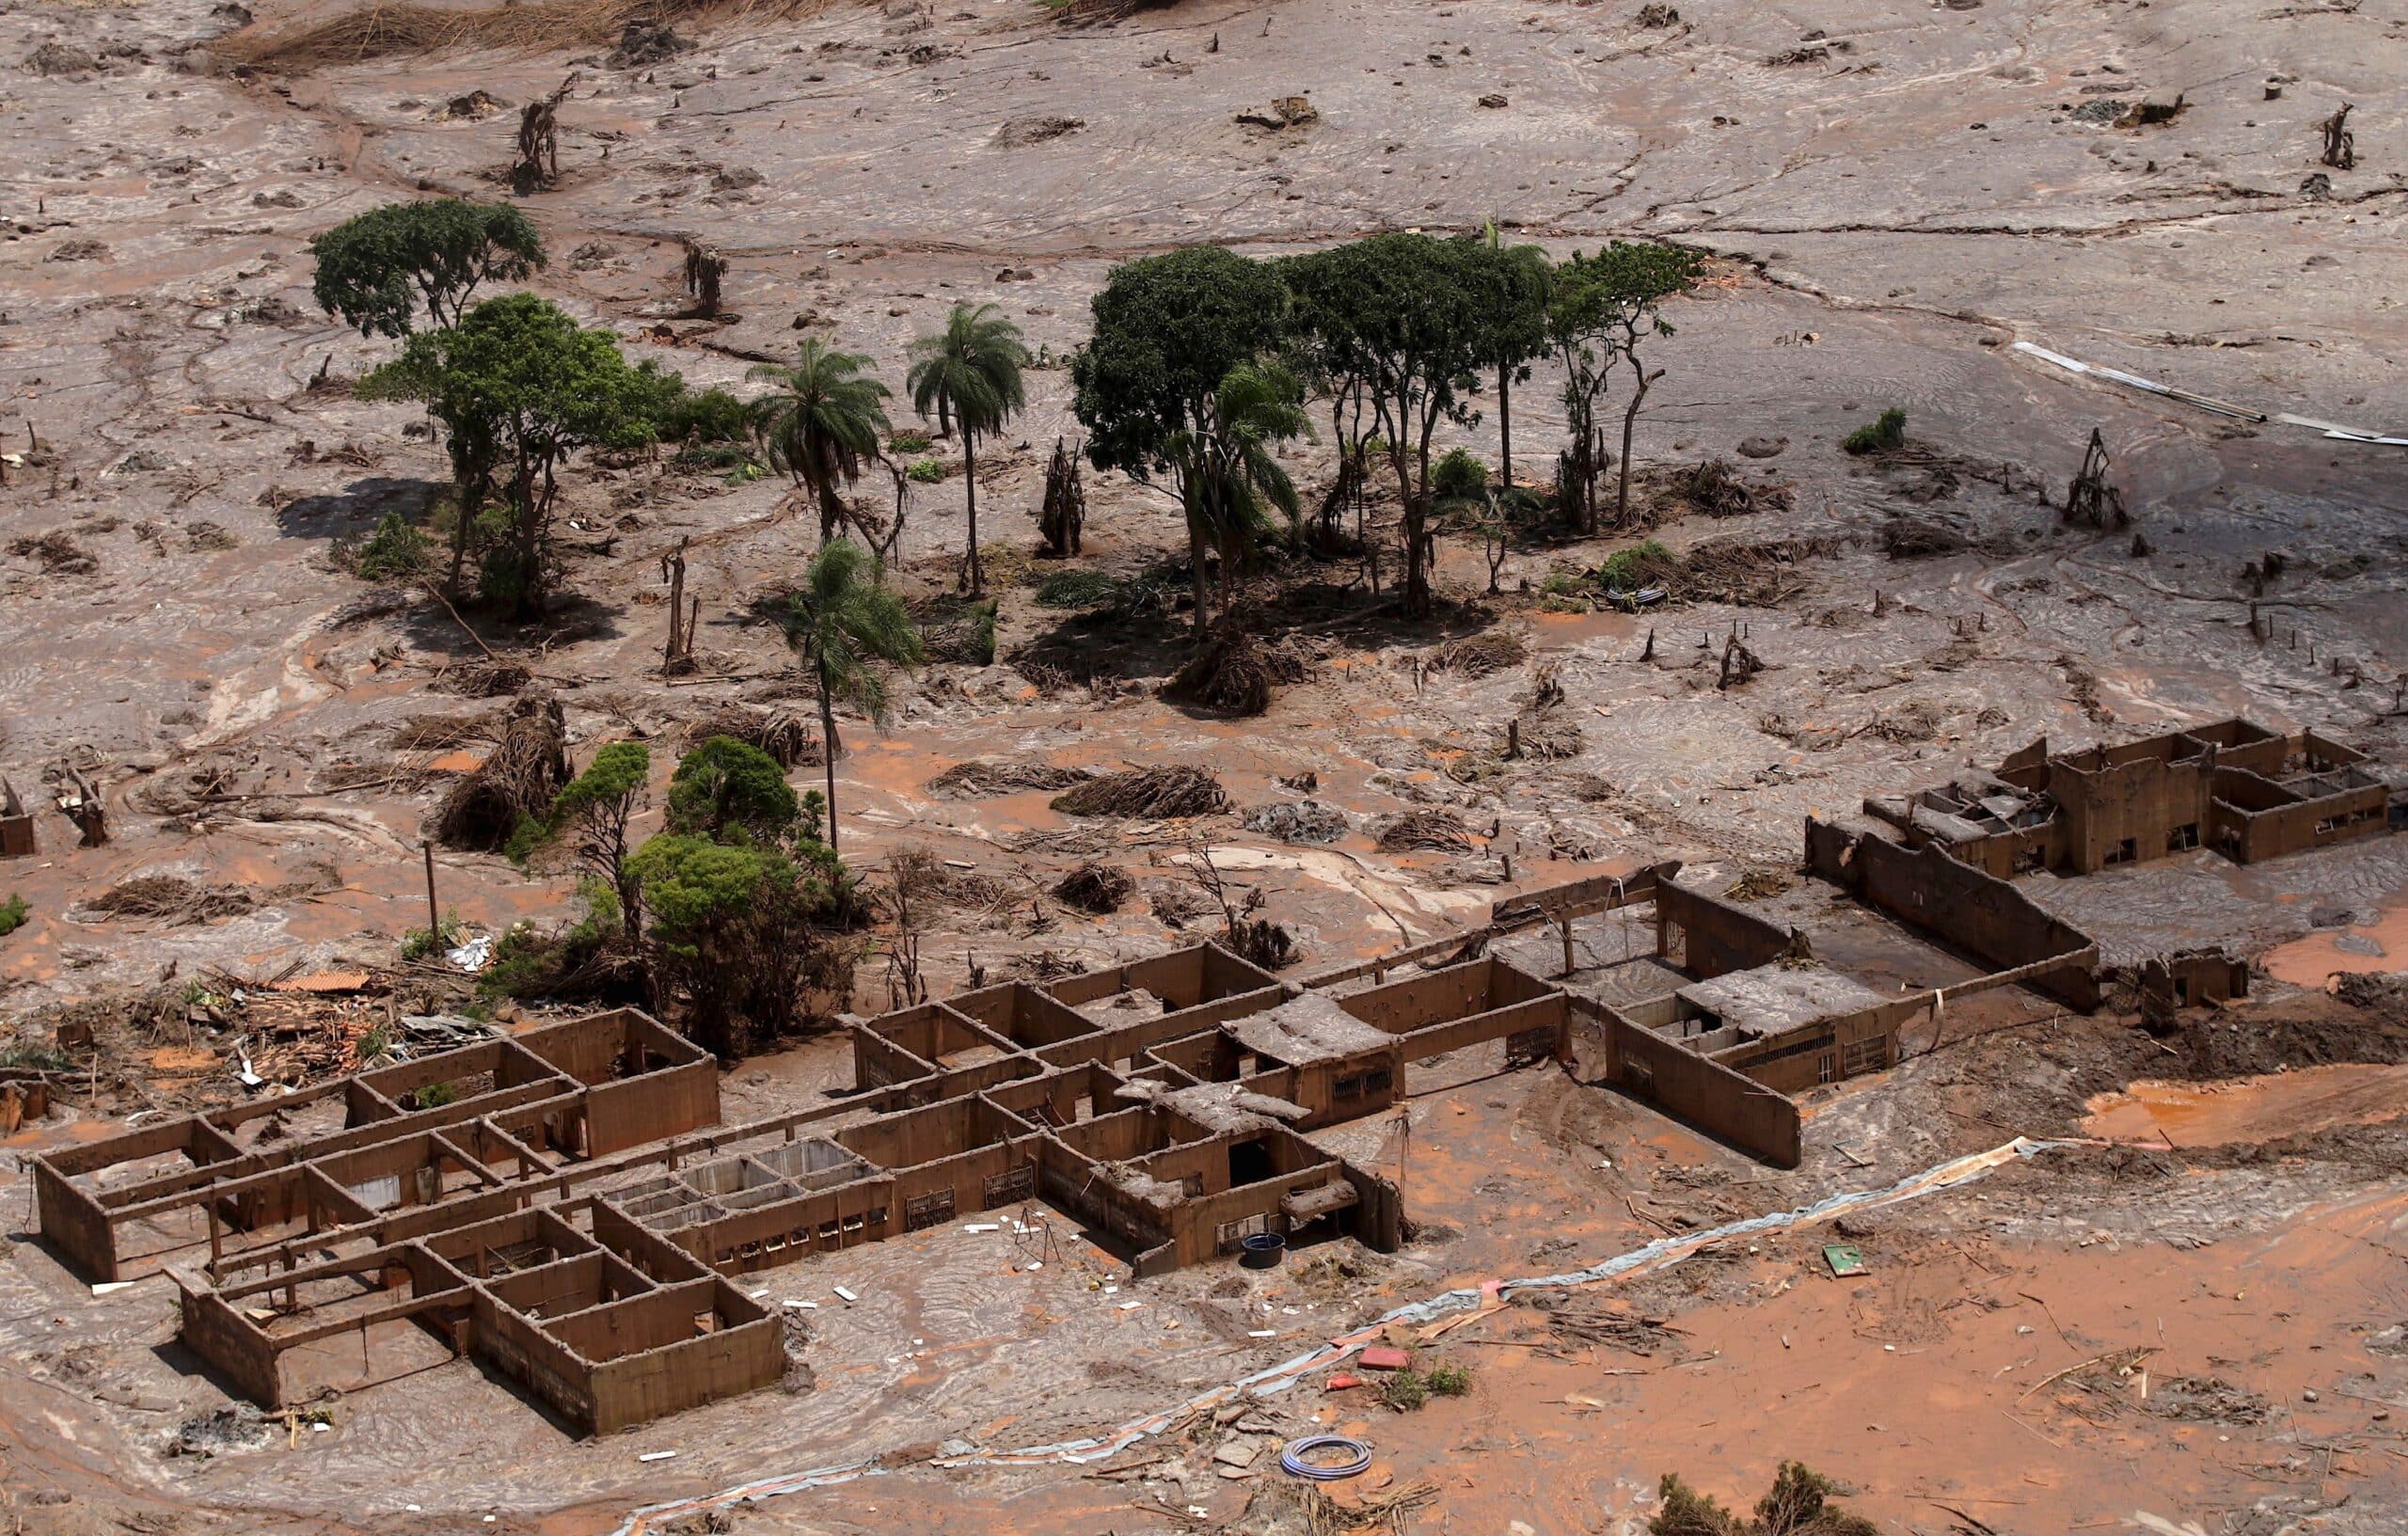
(544, 1202)
(563, 1205)
(2234, 787)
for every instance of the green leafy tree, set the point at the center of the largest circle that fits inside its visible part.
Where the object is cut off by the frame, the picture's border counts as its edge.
(520, 387)
(1404, 316)
(1518, 279)
(844, 622)
(731, 791)
(598, 806)
(820, 423)
(968, 374)
(1170, 331)
(742, 932)
(376, 269)
(1604, 308)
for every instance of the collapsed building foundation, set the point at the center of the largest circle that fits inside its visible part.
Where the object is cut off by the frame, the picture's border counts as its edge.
(565, 1204)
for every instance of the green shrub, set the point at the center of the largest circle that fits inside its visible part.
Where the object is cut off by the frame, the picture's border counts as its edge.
(12, 915)
(419, 943)
(436, 1095)
(1404, 1391)
(529, 962)
(731, 791)
(42, 1058)
(1628, 569)
(926, 472)
(395, 552)
(910, 440)
(1878, 437)
(1448, 1381)
(1077, 589)
(370, 1046)
(1458, 475)
(702, 416)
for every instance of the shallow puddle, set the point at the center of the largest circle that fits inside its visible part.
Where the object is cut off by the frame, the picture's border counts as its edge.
(2251, 1108)
(2313, 960)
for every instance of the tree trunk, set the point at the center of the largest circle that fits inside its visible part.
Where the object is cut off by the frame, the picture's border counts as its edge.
(969, 487)
(1196, 559)
(1505, 423)
(1630, 424)
(828, 748)
(831, 512)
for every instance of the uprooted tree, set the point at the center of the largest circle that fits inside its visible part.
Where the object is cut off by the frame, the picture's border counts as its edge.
(1154, 393)
(375, 270)
(1062, 517)
(520, 389)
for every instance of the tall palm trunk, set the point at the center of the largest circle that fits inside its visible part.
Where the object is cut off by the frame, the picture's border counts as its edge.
(827, 747)
(970, 485)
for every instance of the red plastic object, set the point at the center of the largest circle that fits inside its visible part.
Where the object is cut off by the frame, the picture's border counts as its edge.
(1341, 1380)
(1385, 1357)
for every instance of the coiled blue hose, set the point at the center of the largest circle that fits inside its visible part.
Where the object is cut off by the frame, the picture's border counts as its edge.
(1292, 1459)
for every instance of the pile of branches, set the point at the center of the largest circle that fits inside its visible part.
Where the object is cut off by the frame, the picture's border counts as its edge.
(982, 778)
(483, 679)
(1438, 831)
(442, 732)
(386, 31)
(1095, 887)
(1235, 670)
(517, 783)
(1545, 733)
(1714, 488)
(172, 898)
(1745, 573)
(1477, 656)
(783, 735)
(1154, 793)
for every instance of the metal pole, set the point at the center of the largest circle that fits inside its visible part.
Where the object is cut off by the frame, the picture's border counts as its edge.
(434, 917)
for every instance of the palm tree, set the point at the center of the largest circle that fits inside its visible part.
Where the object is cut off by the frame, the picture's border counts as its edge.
(820, 424)
(842, 621)
(1230, 481)
(970, 375)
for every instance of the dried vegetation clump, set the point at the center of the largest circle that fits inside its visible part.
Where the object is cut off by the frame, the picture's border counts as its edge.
(1236, 670)
(1156, 794)
(784, 736)
(516, 783)
(983, 778)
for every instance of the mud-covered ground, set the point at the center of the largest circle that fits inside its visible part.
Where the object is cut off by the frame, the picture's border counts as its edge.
(1891, 212)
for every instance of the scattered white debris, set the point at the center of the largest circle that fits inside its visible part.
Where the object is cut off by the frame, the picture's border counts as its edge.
(1037, 1263)
(1264, 1333)
(647, 1456)
(473, 956)
(109, 1288)
(808, 1306)
(843, 1294)
(984, 1227)
(1130, 1306)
